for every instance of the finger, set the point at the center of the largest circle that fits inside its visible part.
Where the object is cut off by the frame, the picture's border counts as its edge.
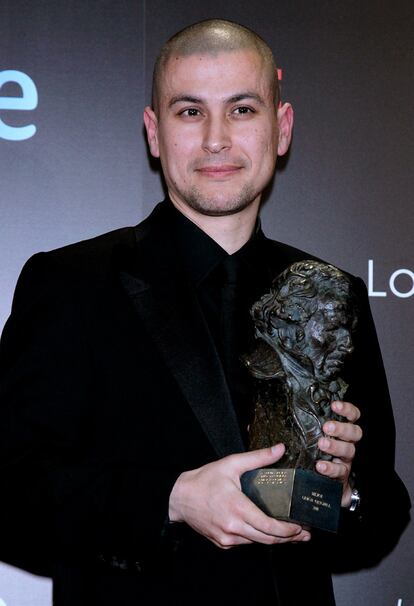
(257, 527)
(254, 517)
(337, 448)
(347, 410)
(229, 541)
(257, 458)
(249, 535)
(348, 432)
(270, 539)
(337, 470)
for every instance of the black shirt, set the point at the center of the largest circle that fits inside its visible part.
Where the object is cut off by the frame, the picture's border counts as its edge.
(203, 261)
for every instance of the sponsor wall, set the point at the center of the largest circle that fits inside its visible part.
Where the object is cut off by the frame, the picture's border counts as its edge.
(74, 78)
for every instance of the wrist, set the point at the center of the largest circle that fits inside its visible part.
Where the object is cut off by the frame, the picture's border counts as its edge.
(174, 500)
(346, 496)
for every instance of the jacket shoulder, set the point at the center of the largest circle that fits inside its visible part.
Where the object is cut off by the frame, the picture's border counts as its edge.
(280, 255)
(92, 261)
(283, 255)
(94, 252)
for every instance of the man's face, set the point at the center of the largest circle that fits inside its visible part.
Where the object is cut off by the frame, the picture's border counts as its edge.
(217, 132)
(328, 338)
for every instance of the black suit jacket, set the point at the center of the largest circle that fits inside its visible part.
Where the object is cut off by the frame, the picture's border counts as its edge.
(110, 388)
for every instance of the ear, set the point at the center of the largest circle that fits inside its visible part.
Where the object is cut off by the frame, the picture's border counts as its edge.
(151, 126)
(285, 123)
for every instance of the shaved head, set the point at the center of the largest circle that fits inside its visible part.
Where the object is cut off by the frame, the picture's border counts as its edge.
(212, 37)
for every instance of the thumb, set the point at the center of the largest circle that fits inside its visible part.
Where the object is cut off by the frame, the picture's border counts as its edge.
(260, 458)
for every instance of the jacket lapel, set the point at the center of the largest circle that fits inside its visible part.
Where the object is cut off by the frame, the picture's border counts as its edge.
(168, 306)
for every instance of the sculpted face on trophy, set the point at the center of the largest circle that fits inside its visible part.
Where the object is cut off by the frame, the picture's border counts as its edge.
(304, 329)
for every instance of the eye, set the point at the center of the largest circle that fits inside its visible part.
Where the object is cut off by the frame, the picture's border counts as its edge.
(243, 110)
(191, 112)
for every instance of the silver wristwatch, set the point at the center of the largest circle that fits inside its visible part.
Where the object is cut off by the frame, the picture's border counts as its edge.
(355, 496)
(355, 500)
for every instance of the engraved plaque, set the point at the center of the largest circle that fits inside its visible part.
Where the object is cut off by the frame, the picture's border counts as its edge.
(295, 495)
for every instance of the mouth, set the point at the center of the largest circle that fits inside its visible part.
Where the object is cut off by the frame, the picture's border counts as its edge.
(218, 172)
(336, 362)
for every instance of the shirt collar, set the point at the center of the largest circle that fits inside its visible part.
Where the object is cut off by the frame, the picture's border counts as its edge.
(200, 254)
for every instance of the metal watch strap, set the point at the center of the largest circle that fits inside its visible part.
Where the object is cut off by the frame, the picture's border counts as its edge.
(355, 496)
(355, 500)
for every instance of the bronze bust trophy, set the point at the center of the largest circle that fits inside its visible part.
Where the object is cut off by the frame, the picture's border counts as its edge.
(304, 329)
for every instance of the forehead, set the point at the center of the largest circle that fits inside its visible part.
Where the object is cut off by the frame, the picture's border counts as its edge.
(215, 75)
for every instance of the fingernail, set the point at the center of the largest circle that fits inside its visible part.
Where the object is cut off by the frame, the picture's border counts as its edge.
(306, 537)
(275, 449)
(321, 466)
(324, 443)
(329, 428)
(338, 405)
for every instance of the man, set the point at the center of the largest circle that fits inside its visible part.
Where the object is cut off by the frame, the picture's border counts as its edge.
(124, 404)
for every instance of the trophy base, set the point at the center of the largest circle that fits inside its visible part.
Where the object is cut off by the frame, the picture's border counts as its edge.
(295, 495)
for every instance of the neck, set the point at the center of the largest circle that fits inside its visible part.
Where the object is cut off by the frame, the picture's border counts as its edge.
(230, 232)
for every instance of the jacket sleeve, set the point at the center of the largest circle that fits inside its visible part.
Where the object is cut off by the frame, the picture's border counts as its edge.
(370, 533)
(61, 495)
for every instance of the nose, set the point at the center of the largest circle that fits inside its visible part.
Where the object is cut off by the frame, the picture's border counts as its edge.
(345, 343)
(217, 135)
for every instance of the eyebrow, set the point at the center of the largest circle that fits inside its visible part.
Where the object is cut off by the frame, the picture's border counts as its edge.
(233, 99)
(246, 95)
(184, 99)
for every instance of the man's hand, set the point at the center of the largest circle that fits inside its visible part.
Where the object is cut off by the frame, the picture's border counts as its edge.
(340, 444)
(209, 499)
